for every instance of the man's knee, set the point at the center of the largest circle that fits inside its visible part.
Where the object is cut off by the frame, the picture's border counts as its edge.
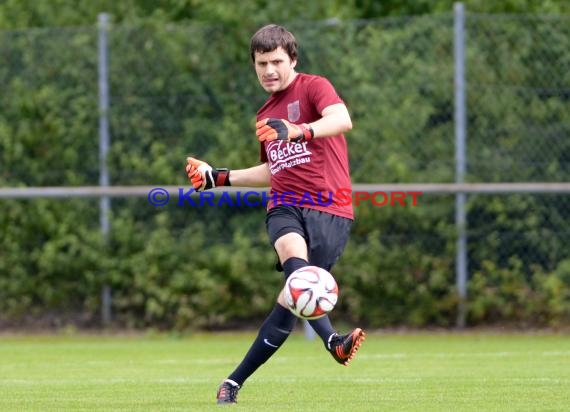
(291, 245)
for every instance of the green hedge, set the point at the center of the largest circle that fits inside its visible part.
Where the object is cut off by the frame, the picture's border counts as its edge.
(191, 267)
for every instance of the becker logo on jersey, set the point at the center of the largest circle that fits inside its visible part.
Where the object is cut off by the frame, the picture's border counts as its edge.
(283, 155)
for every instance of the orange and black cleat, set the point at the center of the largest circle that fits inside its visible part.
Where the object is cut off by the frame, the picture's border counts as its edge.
(344, 347)
(227, 392)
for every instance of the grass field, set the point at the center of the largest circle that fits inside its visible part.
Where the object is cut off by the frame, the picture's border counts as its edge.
(392, 372)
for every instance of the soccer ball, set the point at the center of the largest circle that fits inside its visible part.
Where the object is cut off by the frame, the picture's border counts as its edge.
(311, 292)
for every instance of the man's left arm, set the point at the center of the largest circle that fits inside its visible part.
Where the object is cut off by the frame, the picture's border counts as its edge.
(335, 120)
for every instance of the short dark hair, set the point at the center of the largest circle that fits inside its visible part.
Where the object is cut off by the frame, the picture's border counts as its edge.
(270, 37)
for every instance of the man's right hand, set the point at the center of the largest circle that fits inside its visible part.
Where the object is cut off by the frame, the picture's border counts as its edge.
(205, 177)
(280, 129)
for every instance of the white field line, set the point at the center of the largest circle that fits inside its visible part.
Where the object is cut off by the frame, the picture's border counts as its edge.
(284, 359)
(109, 381)
(279, 379)
(444, 355)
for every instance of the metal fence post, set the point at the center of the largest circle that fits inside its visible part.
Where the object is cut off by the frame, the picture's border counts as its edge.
(309, 332)
(460, 149)
(104, 139)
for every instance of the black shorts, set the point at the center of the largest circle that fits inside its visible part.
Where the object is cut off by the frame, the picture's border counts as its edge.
(326, 235)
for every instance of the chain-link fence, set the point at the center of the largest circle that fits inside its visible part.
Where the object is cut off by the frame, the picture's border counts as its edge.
(181, 89)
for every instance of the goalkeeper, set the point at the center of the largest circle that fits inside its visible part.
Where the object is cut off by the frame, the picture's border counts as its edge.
(303, 118)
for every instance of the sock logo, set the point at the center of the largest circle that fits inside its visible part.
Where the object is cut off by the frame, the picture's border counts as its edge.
(269, 343)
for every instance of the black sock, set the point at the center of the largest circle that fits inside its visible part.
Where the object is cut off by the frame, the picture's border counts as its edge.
(292, 264)
(272, 334)
(322, 326)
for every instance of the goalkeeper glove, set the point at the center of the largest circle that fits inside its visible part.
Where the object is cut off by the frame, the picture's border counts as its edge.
(205, 177)
(280, 129)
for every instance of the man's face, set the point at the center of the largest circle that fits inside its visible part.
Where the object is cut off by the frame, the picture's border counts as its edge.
(275, 70)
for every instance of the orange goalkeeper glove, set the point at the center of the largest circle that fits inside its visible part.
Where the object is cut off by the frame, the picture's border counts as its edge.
(280, 129)
(205, 177)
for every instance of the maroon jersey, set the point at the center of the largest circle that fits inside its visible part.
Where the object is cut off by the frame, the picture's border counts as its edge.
(307, 174)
